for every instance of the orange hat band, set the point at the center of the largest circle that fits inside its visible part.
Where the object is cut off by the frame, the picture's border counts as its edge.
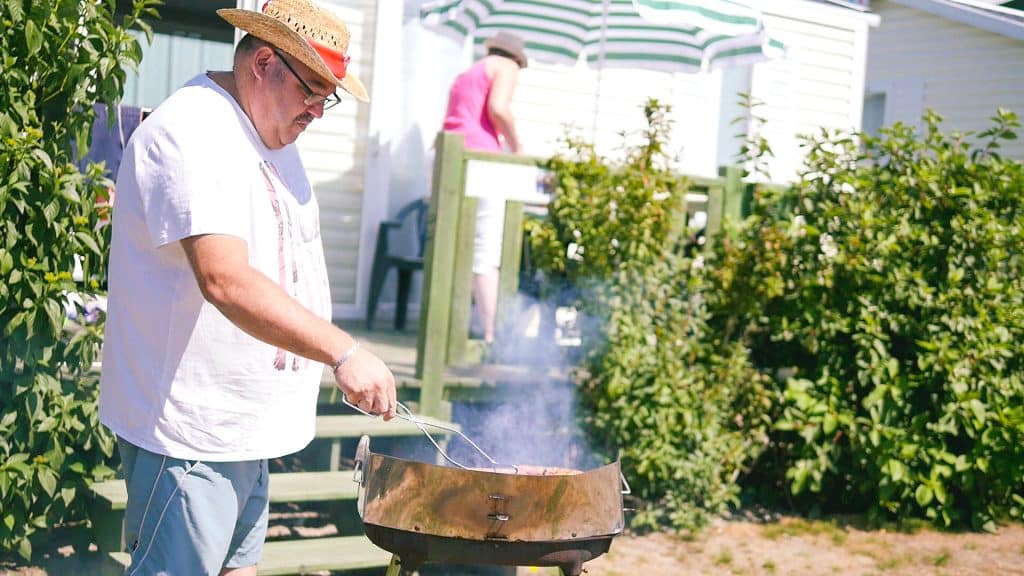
(336, 60)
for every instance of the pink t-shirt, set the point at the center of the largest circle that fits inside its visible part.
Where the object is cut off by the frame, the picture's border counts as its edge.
(467, 109)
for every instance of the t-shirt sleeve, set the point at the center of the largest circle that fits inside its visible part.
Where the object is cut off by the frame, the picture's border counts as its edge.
(192, 188)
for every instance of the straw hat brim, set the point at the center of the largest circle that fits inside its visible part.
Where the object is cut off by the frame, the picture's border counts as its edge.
(289, 41)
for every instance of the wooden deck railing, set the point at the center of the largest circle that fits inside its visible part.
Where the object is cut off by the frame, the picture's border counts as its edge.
(445, 308)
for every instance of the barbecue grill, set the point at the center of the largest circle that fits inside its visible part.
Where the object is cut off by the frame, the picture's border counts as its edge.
(513, 516)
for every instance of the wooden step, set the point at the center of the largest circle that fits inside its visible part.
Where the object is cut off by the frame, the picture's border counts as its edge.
(110, 498)
(299, 556)
(284, 487)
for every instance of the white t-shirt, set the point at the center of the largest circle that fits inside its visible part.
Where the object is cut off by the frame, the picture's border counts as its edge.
(178, 377)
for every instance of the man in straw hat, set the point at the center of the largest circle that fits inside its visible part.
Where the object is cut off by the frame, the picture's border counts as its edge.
(219, 313)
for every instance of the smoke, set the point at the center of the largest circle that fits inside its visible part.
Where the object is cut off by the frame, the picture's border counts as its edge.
(533, 416)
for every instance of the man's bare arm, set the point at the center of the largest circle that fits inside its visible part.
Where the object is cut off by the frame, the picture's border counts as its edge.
(252, 301)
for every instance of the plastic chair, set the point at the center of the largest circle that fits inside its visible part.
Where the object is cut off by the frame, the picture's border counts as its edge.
(383, 260)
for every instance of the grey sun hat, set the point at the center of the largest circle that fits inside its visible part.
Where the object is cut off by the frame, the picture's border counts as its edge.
(510, 44)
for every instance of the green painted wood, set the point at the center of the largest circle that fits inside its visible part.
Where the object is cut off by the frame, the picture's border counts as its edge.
(284, 487)
(462, 287)
(316, 554)
(733, 193)
(298, 556)
(505, 158)
(716, 195)
(114, 564)
(439, 264)
(106, 515)
(112, 493)
(511, 259)
(313, 486)
(343, 426)
(394, 567)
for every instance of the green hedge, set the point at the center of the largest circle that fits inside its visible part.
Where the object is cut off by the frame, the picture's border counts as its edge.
(854, 345)
(57, 59)
(885, 291)
(684, 413)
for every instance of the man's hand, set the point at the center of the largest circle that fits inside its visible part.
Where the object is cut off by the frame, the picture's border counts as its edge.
(368, 383)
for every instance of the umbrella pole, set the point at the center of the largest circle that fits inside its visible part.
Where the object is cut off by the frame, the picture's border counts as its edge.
(600, 67)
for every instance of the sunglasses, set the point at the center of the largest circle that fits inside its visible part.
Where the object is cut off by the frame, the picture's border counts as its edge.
(312, 98)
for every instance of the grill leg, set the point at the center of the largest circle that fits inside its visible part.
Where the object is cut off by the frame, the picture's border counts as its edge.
(395, 568)
(574, 569)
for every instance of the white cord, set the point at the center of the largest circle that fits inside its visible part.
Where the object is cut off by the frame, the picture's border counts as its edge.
(162, 512)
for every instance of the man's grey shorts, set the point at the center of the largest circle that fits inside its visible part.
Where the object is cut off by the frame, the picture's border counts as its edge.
(190, 517)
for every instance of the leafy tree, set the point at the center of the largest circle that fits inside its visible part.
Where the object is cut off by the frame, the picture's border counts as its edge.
(57, 59)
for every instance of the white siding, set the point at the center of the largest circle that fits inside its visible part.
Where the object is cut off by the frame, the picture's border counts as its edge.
(962, 72)
(818, 85)
(601, 106)
(334, 151)
(168, 63)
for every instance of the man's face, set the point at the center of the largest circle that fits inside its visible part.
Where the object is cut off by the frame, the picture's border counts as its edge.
(290, 97)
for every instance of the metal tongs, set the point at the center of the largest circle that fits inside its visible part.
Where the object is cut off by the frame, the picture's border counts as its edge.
(420, 423)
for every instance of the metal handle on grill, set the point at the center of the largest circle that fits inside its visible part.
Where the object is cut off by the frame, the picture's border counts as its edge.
(420, 423)
(359, 472)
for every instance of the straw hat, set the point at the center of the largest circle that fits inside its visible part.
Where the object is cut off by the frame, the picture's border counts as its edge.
(313, 36)
(510, 44)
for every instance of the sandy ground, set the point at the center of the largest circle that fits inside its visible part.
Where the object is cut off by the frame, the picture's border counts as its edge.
(800, 547)
(788, 546)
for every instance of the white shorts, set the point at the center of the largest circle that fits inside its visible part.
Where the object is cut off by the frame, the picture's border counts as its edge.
(490, 230)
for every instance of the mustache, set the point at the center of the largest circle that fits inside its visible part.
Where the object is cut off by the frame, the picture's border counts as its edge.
(305, 118)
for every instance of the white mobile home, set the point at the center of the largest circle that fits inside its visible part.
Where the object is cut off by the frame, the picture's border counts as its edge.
(961, 59)
(368, 160)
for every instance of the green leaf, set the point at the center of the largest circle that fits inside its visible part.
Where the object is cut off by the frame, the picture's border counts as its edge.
(47, 480)
(25, 548)
(830, 423)
(41, 154)
(102, 472)
(89, 242)
(14, 8)
(33, 37)
(923, 495)
(896, 470)
(67, 495)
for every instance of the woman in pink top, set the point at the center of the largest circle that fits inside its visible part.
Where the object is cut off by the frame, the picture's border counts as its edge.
(479, 109)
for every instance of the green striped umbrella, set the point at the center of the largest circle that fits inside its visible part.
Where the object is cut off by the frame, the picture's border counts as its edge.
(666, 35)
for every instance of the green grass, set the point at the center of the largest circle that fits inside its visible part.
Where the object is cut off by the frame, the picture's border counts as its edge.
(801, 527)
(942, 559)
(889, 564)
(724, 558)
(769, 567)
